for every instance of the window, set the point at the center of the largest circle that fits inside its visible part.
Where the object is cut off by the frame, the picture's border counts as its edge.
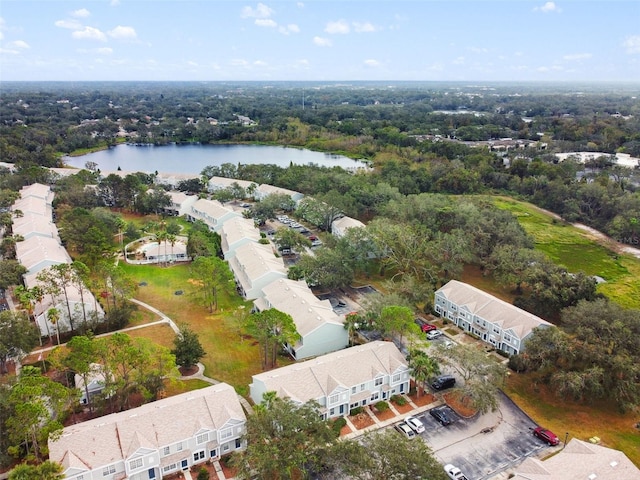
(353, 389)
(362, 387)
(212, 454)
(396, 378)
(378, 381)
(496, 330)
(438, 310)
(238, 443)
(168, 468)
(166, 451)
(375, 396)
(110, 470)
(137, 463)
(334, 399)
(202, 438)
(227, 433)
(179, 447)
(507, 338)
(198, 455)
(80, 477)
(225, 447)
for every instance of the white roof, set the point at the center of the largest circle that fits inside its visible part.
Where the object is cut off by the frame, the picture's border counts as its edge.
(37, 249)
(31, 223)
(225, 182)
(253, 261)
(492, 309)
(237, 229)
(211, 208)
(265, 190)
(346, 222)
(37, 190)
(580, 461)
(317, 378)
(296, 299)
(33, 205)
(106, 440)
(178, 198)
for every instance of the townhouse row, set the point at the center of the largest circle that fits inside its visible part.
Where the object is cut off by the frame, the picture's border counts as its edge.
(39, 249)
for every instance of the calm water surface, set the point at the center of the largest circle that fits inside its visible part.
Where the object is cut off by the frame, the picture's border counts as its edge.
(193, 158)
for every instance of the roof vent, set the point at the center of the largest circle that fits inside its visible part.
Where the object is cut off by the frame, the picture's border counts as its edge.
(592, 476)
(613, 464)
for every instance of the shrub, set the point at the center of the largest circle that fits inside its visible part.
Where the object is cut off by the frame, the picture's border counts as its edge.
(382, 406)
(203, 474)
(356, 411)
(337, 424)
(399, 400)
(517, 363)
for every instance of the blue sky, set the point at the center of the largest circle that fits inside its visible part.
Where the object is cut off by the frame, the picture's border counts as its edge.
(320, 40)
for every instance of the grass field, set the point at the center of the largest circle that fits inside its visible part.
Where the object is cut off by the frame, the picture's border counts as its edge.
(230, 357)
(580, 420)
(578, 251)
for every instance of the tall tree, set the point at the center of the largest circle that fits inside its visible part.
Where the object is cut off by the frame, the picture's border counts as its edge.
(212, 275)
(47, 470)
(423, 368)
(187, 347)
(284, 441)
(272, 328)
(18, 336)
(38, 404)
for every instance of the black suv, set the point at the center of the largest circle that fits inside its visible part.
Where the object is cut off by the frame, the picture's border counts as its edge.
(440, 415)
(443, 381)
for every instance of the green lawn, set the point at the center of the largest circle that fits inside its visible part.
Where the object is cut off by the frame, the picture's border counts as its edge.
(577, 251)
(230, 357)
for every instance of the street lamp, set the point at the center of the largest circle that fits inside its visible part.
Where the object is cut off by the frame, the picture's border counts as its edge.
(566, 436)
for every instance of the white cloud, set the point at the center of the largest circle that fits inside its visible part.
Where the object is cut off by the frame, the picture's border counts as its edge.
(458, 61)
(20, 44)
(1, 35)
(123, 33)
(548, 7)
(260, 63)
(238, 62)
(291, 28)
(632, 44)
(71, 24)
(265, 22)
(577, 56)
(9, 52)
(115, 3)
(82, 13)
(191, 63)
(89, 33)
(104, 51)
(372, 63)
(261, 11)
(478, 50)
(340, 26)
(365, 27)
(322, 42)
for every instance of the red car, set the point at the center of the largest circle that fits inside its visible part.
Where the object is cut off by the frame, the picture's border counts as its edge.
(546, 436)
(427, 327)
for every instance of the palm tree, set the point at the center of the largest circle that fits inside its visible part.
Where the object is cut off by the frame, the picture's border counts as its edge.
(53, 314)
(172, 240)
(423, 368)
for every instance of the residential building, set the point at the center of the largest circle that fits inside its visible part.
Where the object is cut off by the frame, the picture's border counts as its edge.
(36, 253)
(321, 329)
(180, 203)
(235, 233)
(211, 212)
(220, 183)
(339, 381)
(94, 386)
(154, 440)
(264, 190)
(496, 322)
(579, 461)
(340, 226)
(31, 224)
(254, 266)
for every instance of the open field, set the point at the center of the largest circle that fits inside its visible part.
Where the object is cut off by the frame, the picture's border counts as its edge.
(580, 420)
(578, 251)
(230, 357)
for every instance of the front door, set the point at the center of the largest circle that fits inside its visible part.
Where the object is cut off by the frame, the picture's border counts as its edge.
(184, 464)
(152, 473)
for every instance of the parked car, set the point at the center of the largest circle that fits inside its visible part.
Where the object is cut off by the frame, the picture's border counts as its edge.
(443, 381)
(405, 430)
(440, 415)
(454, 472)
(546, 436)
(428, 327)
(433, 334)
(415, 424)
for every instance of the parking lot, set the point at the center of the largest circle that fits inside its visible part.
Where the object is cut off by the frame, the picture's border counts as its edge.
(484, 446)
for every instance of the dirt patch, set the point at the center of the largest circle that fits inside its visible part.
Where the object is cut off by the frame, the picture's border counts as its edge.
(188, 371)
(406, 408)
(361, 420)
(346, 430)
(423, 400)
(459, 404)
(384, 415)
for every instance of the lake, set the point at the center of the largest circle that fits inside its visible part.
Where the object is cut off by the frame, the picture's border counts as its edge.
(193, 158)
